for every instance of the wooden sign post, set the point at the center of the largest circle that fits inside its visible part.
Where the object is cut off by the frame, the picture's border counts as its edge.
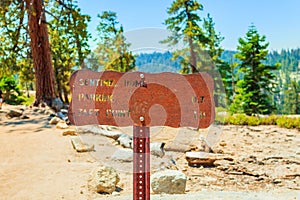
(142, 100)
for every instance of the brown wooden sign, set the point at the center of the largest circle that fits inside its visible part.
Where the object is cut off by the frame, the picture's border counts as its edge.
(125, 99)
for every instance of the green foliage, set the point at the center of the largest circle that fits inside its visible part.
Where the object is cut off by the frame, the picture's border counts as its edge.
(270, 120)
(112, 50)
(71, 26)
(68, 38)
(184, 25)
(28, 100)
(255, 85)
(13, 37)
(9, 84)
(238, 119)
(291, 99)
(202, 46)
(16, 99)
(282, 121)
(12, 91)
(69, 47)
(288, 122)
(253, 121)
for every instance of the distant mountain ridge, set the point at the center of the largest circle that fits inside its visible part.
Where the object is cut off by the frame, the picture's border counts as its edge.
(157, 62)
(162, 62)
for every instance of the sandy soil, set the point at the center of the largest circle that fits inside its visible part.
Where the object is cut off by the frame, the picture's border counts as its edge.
(37, 162)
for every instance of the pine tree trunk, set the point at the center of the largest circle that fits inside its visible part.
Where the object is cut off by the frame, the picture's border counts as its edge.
(40, 47)
(193, 60)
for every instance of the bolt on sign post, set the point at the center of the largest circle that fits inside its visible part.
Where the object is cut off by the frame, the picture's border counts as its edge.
(141, 100)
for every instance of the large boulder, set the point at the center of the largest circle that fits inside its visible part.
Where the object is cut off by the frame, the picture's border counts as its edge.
(169, 182)
(103, 179)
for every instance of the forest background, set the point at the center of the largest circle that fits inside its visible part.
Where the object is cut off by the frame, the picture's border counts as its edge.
(44, 41)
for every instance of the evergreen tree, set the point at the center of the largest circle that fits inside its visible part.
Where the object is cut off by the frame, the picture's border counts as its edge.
(184, 25)
(256, 80)
(112, 50)
(24, 35)
(220, 70)
(202, 45)
(13, 36)
(69, 45)
(40, 49)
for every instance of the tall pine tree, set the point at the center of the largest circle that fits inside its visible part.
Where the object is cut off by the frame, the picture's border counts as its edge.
(113, 50)
(256, 79)
(184, 24)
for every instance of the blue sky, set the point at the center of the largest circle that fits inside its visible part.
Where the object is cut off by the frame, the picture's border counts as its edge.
(143, 20)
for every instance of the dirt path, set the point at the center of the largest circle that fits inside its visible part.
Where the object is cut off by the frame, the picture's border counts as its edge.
(37, 162)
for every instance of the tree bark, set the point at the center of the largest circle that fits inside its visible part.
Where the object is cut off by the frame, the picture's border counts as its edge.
(41, 54)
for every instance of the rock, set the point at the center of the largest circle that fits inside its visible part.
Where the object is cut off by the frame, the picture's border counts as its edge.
(94, 129)
(79, 146)
(54, 120)
(114, 193)
(125, 141)
(64, 111)
(69, 132)
(14, 113)
(111, 134)
(61, 115)
(177, 147)
(204, 145)
(200, 158)
(57, 104)
(124, 155)
(24, 117)
(203, 158)
(157, 149)
(276, 181)
(222, 143)
(103, 179)
(62, 125)
(169, 182)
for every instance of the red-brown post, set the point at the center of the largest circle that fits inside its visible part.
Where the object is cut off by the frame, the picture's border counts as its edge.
(141, 163)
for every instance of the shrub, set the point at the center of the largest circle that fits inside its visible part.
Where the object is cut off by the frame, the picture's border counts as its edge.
(269, 120)
(15, 99)
(253, 121)
(282, 121)
(288, 122)
(237, 119)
